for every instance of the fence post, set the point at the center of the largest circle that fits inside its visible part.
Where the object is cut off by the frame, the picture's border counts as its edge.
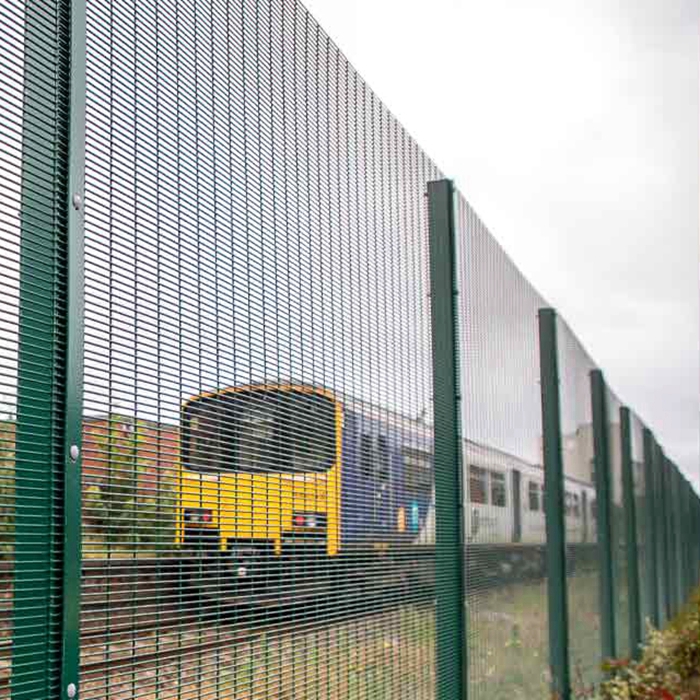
(678, 517)
(670, 537)
(73, 396)
(675, 535)
(665, 558)
(651, 518)
(450, 571)
(689, 540)
(554, 506)
(630, 506)
(602, 483)
(46, 576)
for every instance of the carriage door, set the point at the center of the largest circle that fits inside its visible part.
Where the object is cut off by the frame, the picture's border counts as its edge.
(517, 508)
(384, 489)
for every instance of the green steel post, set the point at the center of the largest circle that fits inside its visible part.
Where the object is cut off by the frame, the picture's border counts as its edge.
(684, 533)
(690, 536)
(554, 506)
(630, 506)
(668, 476)
(603, 497)
(675, 535)
(689, 539)
(73, 394)
(678, 517)
(670, 563)
(668, 546)
(682, 538)
(664, 540)
(449, 548)
(659, 540)
(47, 479)
(651, 517)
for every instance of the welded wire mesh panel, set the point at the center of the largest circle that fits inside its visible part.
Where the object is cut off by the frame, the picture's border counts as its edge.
(32, 278)
(11, 85)
(258, 484)
(618, 533)
(580, 509)
(642, 524)
(503, 477)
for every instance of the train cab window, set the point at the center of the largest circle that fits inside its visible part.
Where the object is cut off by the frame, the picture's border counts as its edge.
(575, 507)
(498, 489)
(477, 484)
(533, 495)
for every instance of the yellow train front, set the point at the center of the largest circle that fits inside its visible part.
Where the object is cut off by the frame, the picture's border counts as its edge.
(260, 477)
(283, 483)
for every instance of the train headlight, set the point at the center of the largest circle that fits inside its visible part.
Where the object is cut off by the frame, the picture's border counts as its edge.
(198, 516)
(310, 520)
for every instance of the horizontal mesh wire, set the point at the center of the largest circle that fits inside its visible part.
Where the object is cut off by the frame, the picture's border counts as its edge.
(503, 476)
(618, 526)
(32, 227)
(580, 514)
(258, 514)
(642, 524)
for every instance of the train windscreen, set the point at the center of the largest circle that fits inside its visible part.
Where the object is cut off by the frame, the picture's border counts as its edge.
(260, 431)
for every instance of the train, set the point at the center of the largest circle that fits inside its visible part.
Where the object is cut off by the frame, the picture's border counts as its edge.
(274, 477)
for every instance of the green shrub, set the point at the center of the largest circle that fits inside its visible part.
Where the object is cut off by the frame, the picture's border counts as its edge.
(669, 668)
(125, 511)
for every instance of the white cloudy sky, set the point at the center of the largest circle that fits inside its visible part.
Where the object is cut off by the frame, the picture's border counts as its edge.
(572, 126)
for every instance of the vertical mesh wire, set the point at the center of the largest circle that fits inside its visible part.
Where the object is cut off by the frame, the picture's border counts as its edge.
(618, 544)
(33, 120)
(642, 522)
(258, 489)
(583, 568)
(502, 468)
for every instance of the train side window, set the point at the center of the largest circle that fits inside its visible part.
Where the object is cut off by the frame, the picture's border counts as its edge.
(576, 508)
(383, 458)
(477, 484)
(594, 509)
(533, 495)
(567, 503)
(366, 455)
(498, 489)
(417, 466)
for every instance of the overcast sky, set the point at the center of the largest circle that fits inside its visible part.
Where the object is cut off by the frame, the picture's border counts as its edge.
(572, 127)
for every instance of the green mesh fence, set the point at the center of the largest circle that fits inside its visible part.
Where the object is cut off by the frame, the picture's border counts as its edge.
(641, 534)
(583, 562)
(618, 526)
(34, 50)
(259, 500)
(272, 417)
(503, 477)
